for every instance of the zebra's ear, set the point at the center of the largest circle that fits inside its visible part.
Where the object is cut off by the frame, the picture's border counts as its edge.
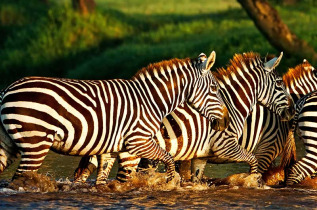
(273, 63)
(208, 63)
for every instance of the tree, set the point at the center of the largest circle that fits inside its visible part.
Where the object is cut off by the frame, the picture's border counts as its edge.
(289, 2)
(268, 21)
(84, 6)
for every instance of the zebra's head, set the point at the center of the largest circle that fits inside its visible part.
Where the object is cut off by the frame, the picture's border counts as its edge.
(272, 91)
(205, 96)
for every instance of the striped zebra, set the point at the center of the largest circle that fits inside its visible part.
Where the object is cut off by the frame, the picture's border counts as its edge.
(305, 124)
(264, 133)
(86, 117)
(186, 135)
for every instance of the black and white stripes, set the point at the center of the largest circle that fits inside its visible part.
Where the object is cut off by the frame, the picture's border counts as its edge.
(78, 117)
(186, 135)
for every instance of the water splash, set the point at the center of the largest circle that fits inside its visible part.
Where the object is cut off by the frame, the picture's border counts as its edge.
(245, 180)
(33, 182)
(275, 176)
(149, 180)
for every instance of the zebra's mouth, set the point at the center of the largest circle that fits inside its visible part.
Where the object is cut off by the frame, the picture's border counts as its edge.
(288, 113)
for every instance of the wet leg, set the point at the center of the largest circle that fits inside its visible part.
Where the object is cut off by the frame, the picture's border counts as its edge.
(148, 148)
(86, 167)
(105, 163)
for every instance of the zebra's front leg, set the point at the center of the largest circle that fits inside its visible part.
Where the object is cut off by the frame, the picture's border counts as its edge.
(148, 148)
(105, 163)
(197, 169)
(86, 167)
(184, 169)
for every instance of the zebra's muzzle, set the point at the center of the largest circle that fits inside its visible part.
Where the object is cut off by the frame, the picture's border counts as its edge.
(288, 113)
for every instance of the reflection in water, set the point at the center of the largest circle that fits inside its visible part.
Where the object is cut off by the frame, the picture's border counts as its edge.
(149, 190)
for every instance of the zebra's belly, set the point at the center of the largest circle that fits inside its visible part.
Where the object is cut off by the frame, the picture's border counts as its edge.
(103, 146)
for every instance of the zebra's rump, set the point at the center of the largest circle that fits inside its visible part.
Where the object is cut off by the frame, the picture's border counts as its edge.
(38, 111)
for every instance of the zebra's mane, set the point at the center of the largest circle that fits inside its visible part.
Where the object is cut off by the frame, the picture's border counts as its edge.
(166, 63)
(237, 62)
(297, 72)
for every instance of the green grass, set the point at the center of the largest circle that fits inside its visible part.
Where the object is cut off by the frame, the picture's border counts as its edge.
(123, 36)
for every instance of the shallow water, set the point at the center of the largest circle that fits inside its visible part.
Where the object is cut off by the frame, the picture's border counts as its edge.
(148, 191)
(221, 197)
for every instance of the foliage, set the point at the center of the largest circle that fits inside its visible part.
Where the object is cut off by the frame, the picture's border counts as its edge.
(50, 39)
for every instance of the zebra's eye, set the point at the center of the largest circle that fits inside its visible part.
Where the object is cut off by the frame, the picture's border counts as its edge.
(213, 88)
(279, 83)
(315, 72)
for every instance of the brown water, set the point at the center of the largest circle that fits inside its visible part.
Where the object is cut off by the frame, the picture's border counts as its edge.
(148, 191)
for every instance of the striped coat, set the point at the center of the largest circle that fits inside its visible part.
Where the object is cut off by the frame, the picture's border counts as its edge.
(80, 117)
(186, 135)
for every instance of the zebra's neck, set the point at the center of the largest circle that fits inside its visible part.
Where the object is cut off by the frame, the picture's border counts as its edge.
(165, 86)
(238, 90)
(298, 89)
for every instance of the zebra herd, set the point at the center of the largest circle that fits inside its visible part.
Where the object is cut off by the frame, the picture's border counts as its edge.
(174, 110)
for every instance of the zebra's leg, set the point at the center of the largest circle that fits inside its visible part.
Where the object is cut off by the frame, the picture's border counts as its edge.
(86, 167)
(148, 148)
(127, 164)
(105, 163)
(197, 169)
(184, 169)
(266, 157)
(32, 158)
(8, 151)
(232, 151)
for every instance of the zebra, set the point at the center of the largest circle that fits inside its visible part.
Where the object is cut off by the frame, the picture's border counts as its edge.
(92, 117)
(186, 135)
(305, 124)
(264, 133)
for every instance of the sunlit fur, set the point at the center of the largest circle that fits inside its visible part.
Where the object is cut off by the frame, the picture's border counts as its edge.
(305, 121)
(186, 135)
(264, 133)
(85, 117)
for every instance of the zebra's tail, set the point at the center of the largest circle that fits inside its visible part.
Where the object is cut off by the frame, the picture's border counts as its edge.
(289, 151)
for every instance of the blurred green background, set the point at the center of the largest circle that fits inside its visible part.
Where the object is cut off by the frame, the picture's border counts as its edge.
(50, 38)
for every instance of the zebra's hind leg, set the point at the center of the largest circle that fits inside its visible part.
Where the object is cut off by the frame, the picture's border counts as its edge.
(148, 148)
(86, 167)
(8, 151)
(105, 163)
(32, 158)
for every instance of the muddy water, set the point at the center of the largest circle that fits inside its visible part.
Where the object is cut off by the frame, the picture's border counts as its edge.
(148, 191)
